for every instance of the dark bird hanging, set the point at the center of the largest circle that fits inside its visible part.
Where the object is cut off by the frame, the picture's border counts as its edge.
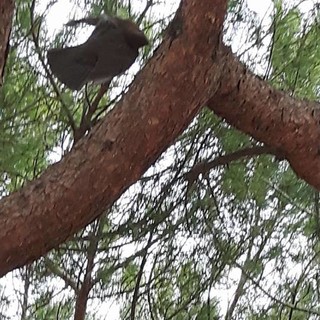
(109, 51)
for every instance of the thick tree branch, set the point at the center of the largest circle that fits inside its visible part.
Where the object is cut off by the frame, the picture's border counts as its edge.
(162, 101)
(270, 116)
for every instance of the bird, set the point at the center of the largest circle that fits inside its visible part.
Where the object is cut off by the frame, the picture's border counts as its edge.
(110, 50)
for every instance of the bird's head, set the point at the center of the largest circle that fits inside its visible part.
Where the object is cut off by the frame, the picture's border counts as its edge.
(132, 34)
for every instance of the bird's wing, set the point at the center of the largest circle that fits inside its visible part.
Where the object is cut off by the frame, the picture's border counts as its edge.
(114, 57)
(71, 65)
(87, 58)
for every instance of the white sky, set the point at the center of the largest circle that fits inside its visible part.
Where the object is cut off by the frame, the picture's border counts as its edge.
(61, 12)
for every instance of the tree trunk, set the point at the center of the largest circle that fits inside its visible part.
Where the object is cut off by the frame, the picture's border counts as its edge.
(87, 284)
(6, 13)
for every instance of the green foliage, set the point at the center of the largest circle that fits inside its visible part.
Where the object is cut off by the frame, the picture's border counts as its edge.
(129, 276)
(296, 53)
(51, 312)
(25, 135)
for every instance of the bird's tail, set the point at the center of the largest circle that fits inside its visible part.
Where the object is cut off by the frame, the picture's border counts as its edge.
(67, 65)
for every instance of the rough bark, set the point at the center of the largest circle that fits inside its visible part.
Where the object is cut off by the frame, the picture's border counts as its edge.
(162, 101)
(186, 72)
(6, 13)
(289, 125)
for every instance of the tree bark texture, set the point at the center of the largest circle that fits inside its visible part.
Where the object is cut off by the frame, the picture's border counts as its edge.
(6, 14)
(191, 69)
(271, 116)
(160, 104)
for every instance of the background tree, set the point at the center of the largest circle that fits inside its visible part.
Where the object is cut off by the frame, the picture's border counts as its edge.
(219, 227)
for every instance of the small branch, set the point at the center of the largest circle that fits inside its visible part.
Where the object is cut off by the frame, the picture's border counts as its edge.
(35, 39)
(86, 119)
(285, 304)
(143, 13)
(205, 166)
(88, 282)
(139, 276)
(317, 213)
(60, 273)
